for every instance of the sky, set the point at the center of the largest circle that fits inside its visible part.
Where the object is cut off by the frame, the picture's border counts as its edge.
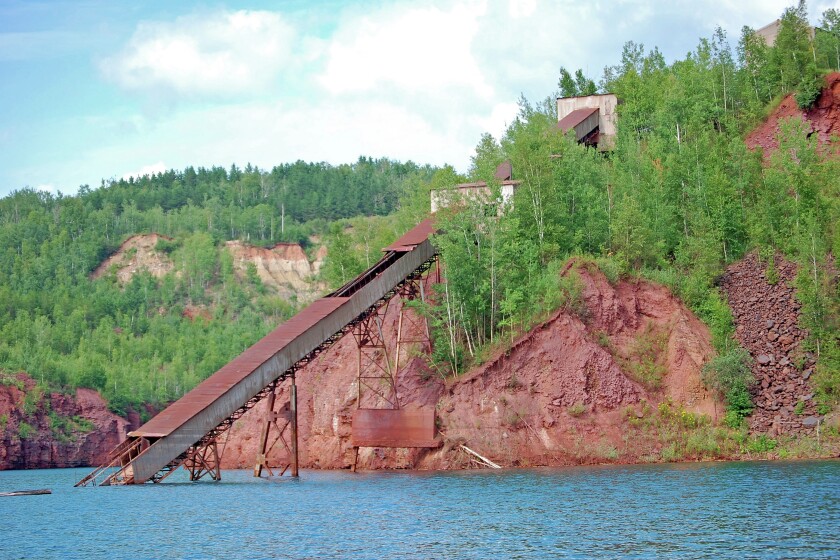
(97, 90)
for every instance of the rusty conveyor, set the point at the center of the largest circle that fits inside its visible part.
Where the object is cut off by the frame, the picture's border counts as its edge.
(172, 438)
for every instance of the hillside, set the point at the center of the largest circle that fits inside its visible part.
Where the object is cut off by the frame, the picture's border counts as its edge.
(823, 119)
(562, 394)
(720, 258)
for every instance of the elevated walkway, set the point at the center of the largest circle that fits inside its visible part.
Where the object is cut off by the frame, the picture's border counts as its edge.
(184, 434)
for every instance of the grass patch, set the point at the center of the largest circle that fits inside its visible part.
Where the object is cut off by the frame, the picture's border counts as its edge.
(644, 364)
(576, 409)
(65, 429)
(25, 430)
(671, 433)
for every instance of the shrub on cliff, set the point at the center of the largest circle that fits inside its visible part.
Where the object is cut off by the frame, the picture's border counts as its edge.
(730, 374)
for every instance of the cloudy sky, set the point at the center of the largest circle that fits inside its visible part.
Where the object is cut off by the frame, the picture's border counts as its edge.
(92, 90)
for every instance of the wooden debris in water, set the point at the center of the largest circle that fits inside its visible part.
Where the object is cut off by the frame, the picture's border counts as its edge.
(483, 459)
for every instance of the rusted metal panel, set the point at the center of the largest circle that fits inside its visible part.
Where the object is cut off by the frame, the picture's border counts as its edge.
(394, 428)
(574, 118)
(504, 172)
(414, 236)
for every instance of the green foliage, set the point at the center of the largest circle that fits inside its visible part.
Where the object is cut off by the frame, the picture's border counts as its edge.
(166, 246)
(576, 409)
(671, 433)
(133, 342)
(761, 444)
(32, 399)
(729, 373)
(809, 88)
(574, 86)
(715, 312)
(678, 198)
(65, 428)
(25, 430)
(644, 362)
(827, 40)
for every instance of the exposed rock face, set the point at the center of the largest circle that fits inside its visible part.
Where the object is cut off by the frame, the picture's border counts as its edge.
(61, 431)
(557, 388)
(285, 267)
(766, 325)
(823, 118)
(135, 254)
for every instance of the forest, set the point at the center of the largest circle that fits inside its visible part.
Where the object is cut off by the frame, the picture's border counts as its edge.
(678, 198)
(134, 342)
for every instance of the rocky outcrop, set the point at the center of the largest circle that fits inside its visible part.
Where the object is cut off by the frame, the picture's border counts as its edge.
(136, 253)
(557, 389)
(54, 430)
(284, 267)
(766, 325)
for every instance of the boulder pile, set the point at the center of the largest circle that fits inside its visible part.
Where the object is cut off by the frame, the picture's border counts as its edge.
(767, 325)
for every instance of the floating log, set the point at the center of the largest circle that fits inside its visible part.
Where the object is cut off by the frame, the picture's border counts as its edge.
(26, 492)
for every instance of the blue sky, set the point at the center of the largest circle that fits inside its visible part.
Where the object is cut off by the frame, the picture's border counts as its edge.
(94, 90)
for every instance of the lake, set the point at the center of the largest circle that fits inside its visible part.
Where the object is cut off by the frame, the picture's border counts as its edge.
(697, 510)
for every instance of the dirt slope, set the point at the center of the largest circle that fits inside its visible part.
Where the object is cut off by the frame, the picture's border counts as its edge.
(558, 396)
(135, 254)
(284, 267)
(822, 119)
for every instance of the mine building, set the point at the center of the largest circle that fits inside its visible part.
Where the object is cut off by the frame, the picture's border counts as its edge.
(480, 191)
(591, 117)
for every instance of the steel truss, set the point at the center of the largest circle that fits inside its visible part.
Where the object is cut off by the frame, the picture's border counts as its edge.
(375, 370)
(279, 421)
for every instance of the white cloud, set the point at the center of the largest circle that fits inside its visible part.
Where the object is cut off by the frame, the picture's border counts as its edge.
(498, 120)
(47, 187)
(150, 169)
(521, 8)
(267, 134)
(416, 49)
(224, 53)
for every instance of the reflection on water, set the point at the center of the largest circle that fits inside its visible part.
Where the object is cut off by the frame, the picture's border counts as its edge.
(733, 510)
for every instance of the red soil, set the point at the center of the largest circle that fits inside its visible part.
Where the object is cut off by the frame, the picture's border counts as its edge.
(822, 119)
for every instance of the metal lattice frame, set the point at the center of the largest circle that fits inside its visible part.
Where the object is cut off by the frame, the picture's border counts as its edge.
(283, 423)
(374, 371)
(373, 362)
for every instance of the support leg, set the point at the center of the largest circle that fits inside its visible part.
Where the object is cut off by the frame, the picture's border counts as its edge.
(295, 461)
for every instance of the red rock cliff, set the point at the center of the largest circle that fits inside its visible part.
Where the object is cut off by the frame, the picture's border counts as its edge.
(55, 430)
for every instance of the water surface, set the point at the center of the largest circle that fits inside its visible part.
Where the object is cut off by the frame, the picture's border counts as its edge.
(706, 510)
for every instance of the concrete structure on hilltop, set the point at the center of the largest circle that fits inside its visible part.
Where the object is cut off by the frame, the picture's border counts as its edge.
(770, 31)
(592, 117)
(480, 191)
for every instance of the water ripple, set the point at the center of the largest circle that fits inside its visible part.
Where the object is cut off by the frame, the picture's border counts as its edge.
(722, 510)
